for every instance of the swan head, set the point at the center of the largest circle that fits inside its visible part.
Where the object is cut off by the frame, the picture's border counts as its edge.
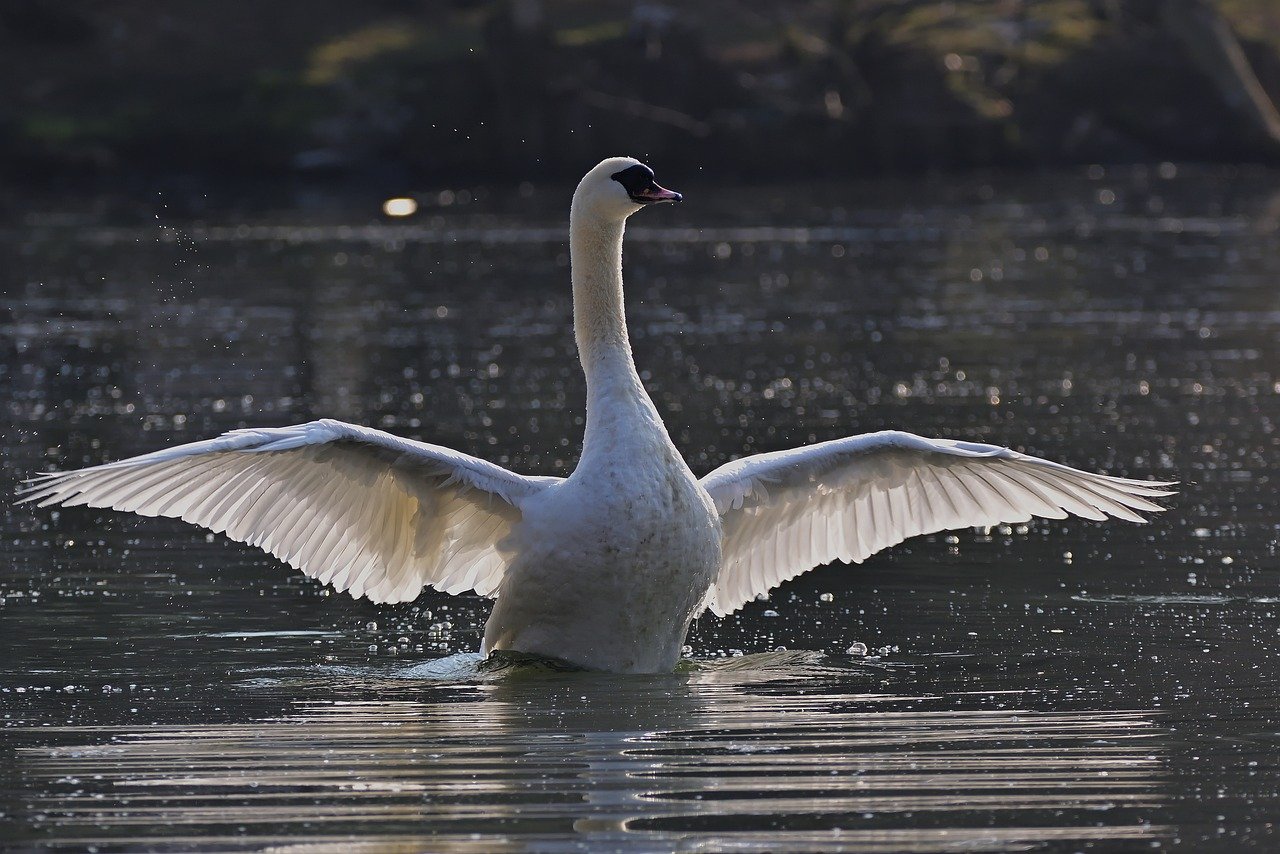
(618, 187)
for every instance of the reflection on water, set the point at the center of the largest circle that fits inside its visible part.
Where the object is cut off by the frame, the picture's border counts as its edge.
(779, 756)
(1059, 683)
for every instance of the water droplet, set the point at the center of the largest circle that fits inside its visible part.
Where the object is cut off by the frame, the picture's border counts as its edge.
(857, 648)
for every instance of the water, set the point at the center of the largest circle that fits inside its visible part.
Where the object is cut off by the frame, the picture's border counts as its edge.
(1062, 685)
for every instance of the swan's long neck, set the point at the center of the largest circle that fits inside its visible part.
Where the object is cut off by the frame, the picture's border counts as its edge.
(616, 400)
(599, 318)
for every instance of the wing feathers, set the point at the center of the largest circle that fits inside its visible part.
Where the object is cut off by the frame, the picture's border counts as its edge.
(850, 498)
(366, 511)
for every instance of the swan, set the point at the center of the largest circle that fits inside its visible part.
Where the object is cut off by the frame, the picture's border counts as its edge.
(604, 569)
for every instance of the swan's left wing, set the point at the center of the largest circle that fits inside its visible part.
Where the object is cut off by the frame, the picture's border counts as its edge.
(786, 512)
(368, 512)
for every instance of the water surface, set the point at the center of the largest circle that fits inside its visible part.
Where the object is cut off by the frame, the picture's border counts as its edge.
(1061, 685)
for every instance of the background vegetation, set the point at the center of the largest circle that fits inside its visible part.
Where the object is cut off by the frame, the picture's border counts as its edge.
(429, 89)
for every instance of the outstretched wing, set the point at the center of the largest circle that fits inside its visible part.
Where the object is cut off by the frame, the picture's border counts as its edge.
(789, 511)
(368, 512)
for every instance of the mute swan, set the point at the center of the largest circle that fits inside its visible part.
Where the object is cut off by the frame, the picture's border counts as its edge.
(605, 568)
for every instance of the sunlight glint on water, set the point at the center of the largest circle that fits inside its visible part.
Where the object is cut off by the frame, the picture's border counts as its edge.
(1064, 684)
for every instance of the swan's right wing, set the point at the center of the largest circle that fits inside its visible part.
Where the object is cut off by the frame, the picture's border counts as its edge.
(786, 512)
(370, 513)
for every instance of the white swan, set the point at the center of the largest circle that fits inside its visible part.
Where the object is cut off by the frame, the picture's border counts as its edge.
(606, 568)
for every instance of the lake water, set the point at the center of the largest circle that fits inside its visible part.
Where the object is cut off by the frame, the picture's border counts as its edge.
(1064, 685)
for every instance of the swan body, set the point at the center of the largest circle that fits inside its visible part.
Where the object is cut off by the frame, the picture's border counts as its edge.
(605, 568)
(613, 563)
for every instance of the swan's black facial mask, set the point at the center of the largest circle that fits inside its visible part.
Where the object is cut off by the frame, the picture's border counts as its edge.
(638, 182)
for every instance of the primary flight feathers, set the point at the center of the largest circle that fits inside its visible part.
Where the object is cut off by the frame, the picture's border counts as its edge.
(789, 511)
(370, 513)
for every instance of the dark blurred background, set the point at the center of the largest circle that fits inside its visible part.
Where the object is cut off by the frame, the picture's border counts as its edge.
(386, 91)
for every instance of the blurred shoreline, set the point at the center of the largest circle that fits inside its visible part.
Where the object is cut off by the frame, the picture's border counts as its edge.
(130, 95)
(179, 209)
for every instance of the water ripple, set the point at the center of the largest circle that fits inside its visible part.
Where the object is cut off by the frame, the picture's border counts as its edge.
(559, 762)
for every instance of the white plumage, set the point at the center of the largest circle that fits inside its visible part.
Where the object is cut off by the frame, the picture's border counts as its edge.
(606, 568)
(787, 512)
(368, 512)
